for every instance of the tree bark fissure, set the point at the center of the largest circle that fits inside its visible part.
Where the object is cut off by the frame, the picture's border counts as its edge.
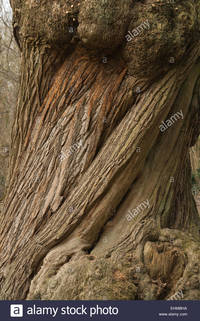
(77, 176)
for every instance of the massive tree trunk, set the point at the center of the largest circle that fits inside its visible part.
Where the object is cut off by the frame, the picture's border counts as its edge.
(100, 204)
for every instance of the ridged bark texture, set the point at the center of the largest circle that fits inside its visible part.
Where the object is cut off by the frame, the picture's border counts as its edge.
(100, 204)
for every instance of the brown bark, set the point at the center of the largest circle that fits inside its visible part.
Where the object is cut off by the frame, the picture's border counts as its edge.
(195, 162)
(65, 233)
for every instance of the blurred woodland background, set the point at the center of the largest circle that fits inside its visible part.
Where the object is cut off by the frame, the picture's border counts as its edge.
(9, 80)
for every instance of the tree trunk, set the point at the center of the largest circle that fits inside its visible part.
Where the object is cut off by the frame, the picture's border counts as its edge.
(195, 162)
(100, 204)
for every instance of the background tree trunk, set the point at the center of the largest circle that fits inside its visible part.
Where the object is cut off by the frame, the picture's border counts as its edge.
(75, 225)
(9, 74)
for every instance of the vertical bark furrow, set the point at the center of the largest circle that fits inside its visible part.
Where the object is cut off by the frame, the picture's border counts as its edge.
(79, 123)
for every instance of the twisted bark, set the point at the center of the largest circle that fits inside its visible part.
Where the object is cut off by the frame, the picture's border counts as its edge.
(66, 230)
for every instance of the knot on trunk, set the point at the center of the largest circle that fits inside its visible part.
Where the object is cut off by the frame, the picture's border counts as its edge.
(151, 36)
(165, 262)
(103, 23)
(158, 36)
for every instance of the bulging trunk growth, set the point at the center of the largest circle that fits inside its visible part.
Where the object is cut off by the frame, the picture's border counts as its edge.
(100, 204)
